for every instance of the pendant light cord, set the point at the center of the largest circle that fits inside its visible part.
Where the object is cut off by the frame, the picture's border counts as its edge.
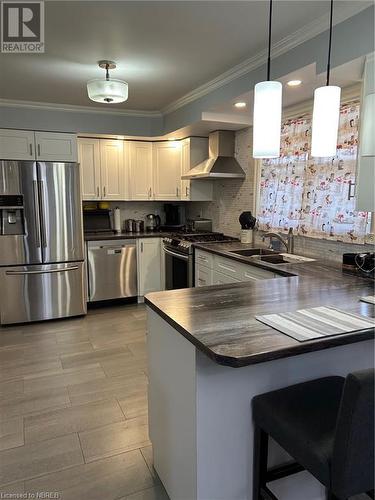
(107, 72)
(269, 42)
(330, 43)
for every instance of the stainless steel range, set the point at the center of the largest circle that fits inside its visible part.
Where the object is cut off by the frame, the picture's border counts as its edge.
(179, 258)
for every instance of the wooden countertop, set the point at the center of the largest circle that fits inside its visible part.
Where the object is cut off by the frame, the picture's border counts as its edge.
(219, 320)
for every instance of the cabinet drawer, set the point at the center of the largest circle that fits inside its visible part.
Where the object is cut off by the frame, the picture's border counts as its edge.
(221, 278)
(249, 272)
(226, 266)
(203, 276)
(204, 258)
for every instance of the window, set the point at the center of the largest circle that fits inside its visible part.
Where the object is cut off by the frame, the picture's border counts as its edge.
(314, 196)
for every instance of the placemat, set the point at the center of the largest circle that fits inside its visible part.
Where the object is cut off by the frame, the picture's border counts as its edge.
(317, 322)
(370, 299)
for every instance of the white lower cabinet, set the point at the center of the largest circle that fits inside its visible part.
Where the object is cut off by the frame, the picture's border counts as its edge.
(211, 269)
(149, 265)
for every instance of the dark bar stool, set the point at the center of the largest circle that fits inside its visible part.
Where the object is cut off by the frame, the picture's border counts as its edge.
(327, 426)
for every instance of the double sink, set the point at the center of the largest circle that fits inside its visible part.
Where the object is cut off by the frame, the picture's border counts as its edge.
(268, 255)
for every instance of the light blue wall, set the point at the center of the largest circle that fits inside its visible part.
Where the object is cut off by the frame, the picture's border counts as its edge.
(352, 38)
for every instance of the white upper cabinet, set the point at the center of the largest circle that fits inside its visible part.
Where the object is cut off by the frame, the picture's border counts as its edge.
(140, 170)
(112, 170)
(167, 169)
(16, 145)
(52, 146)
(89, 158)
(194, 151)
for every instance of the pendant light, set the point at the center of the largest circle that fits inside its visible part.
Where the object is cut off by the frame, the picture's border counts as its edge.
(267, 111)
(326, 112)
(107, 90)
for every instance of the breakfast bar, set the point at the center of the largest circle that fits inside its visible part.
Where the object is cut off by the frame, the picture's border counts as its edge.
(209, 356)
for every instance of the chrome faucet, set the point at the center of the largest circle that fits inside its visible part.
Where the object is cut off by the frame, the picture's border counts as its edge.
(288, 242)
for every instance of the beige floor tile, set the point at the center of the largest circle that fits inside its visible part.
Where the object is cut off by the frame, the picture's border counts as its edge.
(71, 360)
(148, 456)
(123, 365)
(12, 489)
(156, 493)
(107, 388)
(35, 459)
(23, 404)
(11, 433)
(64, 378)
(138, 349)
(56, 423)
(58, 349)
(11, 387)
(114, 438)
(135, 405)
(75, 336)
(24, 367)
(106, 479)
(117, 336)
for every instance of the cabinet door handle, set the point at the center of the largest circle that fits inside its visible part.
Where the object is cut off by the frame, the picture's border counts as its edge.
(31, 149)
(97, 192)
(187, 191)
(141, 246)
(149, 193)
(38, 149)
(103, 191)
(177, 192)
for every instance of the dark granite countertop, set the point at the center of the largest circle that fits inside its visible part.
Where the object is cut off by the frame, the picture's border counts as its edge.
(124, 236)
(220, 320)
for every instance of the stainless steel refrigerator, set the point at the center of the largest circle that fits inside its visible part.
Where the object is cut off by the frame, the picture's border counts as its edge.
(42, 273)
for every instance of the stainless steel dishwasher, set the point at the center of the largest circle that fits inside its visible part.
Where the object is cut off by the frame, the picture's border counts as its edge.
(112, 269)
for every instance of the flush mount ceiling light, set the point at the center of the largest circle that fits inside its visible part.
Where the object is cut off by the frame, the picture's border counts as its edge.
(294, 83)
(326, 112)
(267, 111)
(107, 90)
(240, 105)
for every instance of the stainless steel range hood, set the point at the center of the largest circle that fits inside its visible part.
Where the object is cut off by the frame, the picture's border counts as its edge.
(221, 163)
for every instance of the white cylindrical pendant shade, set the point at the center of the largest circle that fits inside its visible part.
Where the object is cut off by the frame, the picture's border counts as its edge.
(325, 123)
(267, 119)
(107, 91)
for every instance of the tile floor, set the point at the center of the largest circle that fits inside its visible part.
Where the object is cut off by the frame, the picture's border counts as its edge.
(73, 408)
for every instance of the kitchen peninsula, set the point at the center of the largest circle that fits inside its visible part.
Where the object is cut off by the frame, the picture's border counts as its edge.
(209, 356)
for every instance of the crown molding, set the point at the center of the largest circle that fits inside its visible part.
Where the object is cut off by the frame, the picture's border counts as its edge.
(287, 43)
(82, 109)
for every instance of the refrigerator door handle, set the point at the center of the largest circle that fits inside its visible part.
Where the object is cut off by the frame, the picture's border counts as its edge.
(42, 213)
(37, 215)
(41, 271)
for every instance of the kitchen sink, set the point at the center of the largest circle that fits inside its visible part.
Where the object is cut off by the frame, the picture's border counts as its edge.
(250, 252)
(285, 259)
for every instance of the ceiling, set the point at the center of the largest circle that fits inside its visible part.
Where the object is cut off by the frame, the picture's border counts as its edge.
(163, 49)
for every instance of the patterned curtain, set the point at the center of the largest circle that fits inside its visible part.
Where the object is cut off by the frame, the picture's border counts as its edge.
(313, 195)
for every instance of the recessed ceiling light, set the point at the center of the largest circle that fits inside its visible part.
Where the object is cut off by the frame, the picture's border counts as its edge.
(240, 104)
(294, 83)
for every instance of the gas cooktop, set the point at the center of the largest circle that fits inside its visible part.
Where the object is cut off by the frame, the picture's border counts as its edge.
(184, 241)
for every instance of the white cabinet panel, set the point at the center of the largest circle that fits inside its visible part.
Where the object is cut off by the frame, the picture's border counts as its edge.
(16, 145)
(89, 159)
(56, 147)
(140, 170)
(203, 275)
(167, 171)
(204, 258)
(149, 265)
(221, 279)
(112, 170)
(239, 271)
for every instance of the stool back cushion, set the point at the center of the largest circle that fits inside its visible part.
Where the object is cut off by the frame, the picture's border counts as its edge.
(353, 451)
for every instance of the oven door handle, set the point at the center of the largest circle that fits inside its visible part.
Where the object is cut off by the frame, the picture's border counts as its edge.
(178, 255)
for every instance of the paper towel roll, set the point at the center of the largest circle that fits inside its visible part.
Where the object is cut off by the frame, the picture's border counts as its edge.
(117, 220)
